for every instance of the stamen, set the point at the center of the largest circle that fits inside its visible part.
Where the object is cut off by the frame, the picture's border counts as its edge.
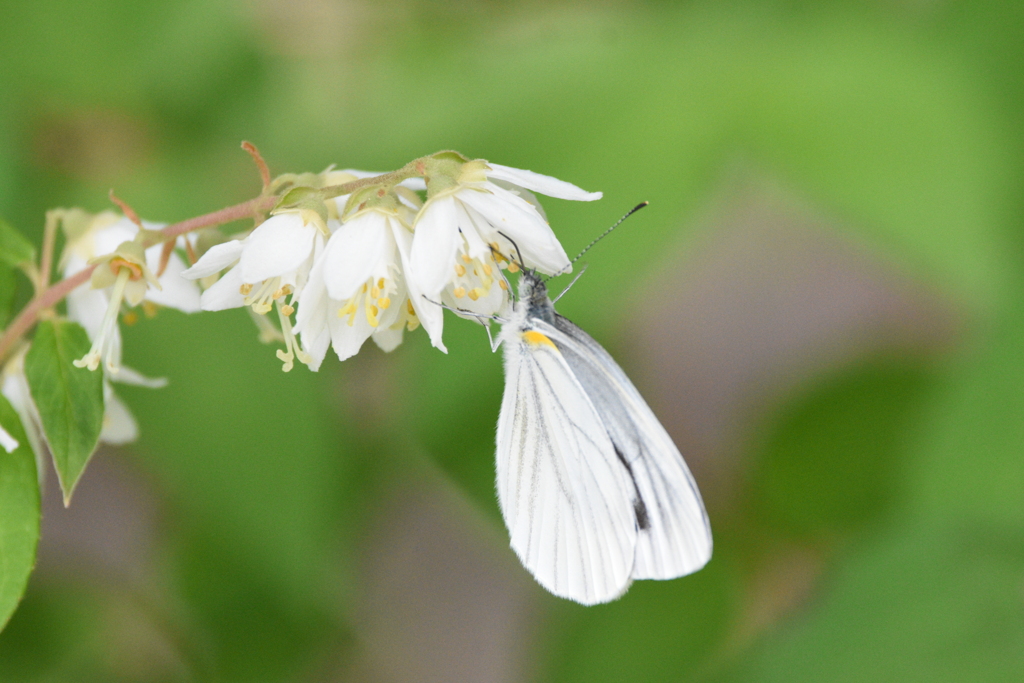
(103, 346)
(466, 258)
(261, 299)
(291, 345)
(513, 267)
(375, 292)
(245, 289)
(460, 269)
(459, 292)
(475, 293)
(384, 302)
(409, 307)
(487, 269)
(501, 283)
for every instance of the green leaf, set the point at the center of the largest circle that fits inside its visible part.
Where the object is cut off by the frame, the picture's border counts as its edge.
(69, 399)
(6, 293)
(19, 514)
(14, 249)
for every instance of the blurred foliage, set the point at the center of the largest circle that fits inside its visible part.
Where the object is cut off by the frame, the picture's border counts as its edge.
(881, 525)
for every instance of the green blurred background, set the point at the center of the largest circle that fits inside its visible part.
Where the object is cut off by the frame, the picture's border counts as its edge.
(824, 303)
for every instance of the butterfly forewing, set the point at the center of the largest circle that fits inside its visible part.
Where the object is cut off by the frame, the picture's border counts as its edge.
(674, 536)
(565, 496)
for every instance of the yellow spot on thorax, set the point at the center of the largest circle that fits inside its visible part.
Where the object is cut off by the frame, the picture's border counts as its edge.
(536, 339)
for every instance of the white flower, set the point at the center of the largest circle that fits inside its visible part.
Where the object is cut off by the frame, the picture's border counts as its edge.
(269, 266)
(97, 309)
(358, 288)
(466, 232)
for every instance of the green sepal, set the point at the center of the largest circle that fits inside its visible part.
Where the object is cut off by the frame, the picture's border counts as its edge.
(450, 155)
(69, 399)
(305, 199)
(19, 514)
(296, 196)
(14, 248)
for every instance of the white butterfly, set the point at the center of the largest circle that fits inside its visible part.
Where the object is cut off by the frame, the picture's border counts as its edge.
(593, 491)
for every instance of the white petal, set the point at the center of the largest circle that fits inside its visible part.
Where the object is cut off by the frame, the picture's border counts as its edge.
(277, 246)
(389, 338)
(317, 347)
(87, 307)
(7, 442)
(545, 184)
(216, 259)
(348, 339)
(73, 263)
(354, 253)
(224, 293)
(430, 315)
(434, 245)
(119, 427)
(312, 303)
(519, 221)
(176, 292)
(106, 240)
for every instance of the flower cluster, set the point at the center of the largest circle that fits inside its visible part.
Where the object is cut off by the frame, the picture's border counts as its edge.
(124, 277)
(380, 260)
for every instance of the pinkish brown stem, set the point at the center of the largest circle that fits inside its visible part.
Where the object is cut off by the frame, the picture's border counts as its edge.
(50, 296)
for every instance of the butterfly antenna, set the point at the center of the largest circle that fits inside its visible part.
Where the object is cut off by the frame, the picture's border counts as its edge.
(600, 237)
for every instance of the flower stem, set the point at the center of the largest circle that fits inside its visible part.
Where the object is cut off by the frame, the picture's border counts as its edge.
(50, 296)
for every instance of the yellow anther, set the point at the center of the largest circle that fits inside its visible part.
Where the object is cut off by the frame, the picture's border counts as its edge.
(347, 309)
(460, 269)
(375, 292)
(487, 269)
(150, 309)
(245, 289)
(466, 258)
(412, 324)
(459, 292)
(384, 302)
(261, 307)
(130, 318)
(408, 307)
(364, 288)
(513, 267)
(380, 283)
(501, 283)
(476, 272)
(475, 293)
(286, 290)
(277, 294)
(287, 309)
(371, 315)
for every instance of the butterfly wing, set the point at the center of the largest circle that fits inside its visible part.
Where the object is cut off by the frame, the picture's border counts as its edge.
(565, 497)
(674, 535)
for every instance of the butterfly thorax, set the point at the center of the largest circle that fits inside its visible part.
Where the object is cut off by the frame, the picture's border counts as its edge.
(533, 298)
